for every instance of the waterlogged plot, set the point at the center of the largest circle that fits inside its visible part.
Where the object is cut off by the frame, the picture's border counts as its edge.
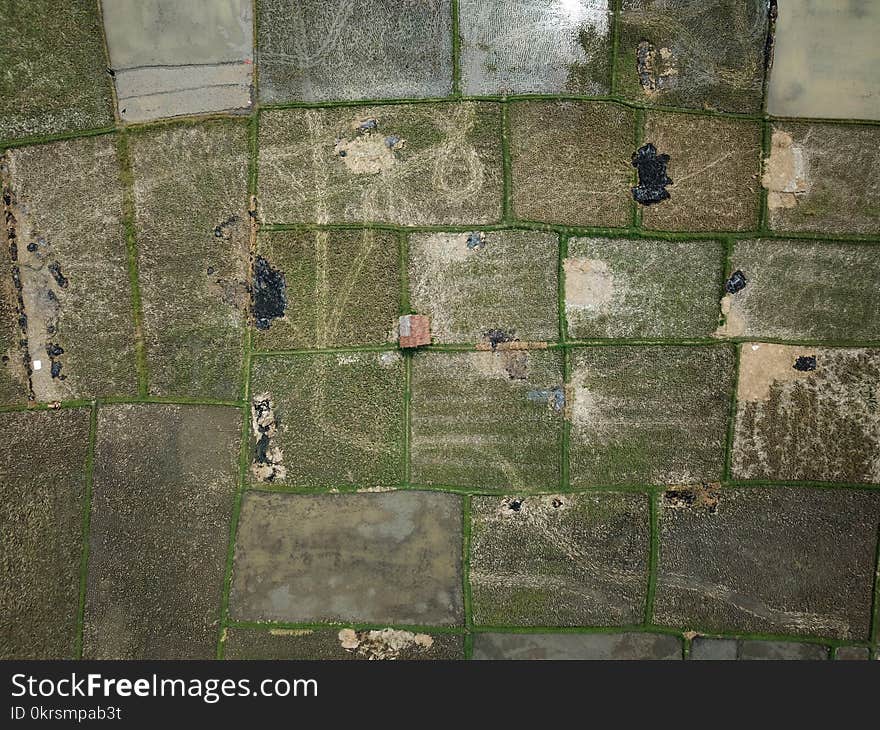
(314, 50)
(418, 164)
(341, 644)
(535, 46)
(825, 61)
(337, 288)
(174, 58)
(641, 288)
(808, 567)
(559, 560)
(482, 284)
(807, 413)
(591, 646)
(42, 466)
(811, 290)
(391, 557)
(68, 319)
(649, 415)
(328, 420)
(164, 488)
(488, 419)
(823, 178)
(54, 77)
(704, 648)
(714, 164)
(192, 229)
(704, 55)
(576, 171)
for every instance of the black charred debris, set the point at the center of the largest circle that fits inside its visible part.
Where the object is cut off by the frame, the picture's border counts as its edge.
(652, 175)
(268, 294)
(805, 363)
(735, 283)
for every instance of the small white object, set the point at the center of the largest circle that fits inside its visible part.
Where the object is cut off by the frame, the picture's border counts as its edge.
(38, 365)
(755, 347)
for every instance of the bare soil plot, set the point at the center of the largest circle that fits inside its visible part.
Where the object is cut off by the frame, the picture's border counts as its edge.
(65, 239)
(559, 560)
(471, 284)
(417, 164)
(783, 561)
(341, 644)
(176, 58)
(576, 171)
(43, 471)
(807, 413)
(641, 288)
(336, 419)
(649, 414)
(165, 482)
(488, 419)
(192, 230)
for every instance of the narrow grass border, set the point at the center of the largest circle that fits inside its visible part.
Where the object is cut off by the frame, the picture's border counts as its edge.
(124, 155)
(89, 480)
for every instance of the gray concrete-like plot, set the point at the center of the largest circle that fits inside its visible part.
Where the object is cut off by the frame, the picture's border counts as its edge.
(775, 650)
(825, 60)
(705, 649)
(577, 646)
(176, 58)
(383, 557)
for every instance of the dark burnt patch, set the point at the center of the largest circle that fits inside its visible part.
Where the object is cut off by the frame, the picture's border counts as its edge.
(221, 230)
(10, 232)
(735, 282)
(805, 363)
(652, 175)
(697, 496)
(60, 278)
(769, 41)
(55, 352)
(496, 337)
(268, 293)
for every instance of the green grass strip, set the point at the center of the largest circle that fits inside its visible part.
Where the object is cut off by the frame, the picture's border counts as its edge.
(615, 41)
(467, 594)
(128, 222)
(875, 608)
(507, 206)
(89, 478)
(456, 50)
(653, 554)
(595, 231)
(731, 415)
